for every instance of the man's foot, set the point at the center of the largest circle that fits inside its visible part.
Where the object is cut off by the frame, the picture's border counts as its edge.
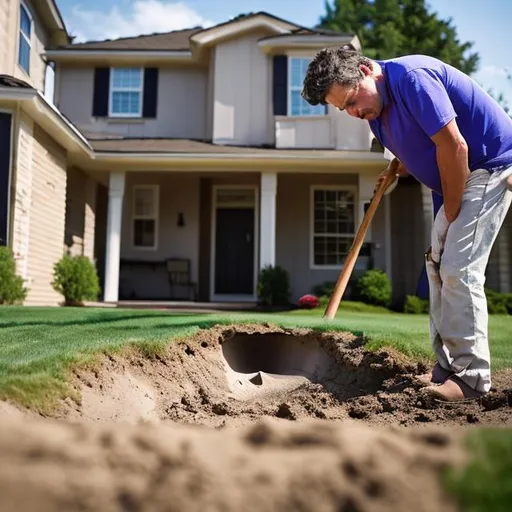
(453, 389)
(435, 376)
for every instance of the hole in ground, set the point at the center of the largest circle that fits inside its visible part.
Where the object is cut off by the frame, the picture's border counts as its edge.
(259, 364)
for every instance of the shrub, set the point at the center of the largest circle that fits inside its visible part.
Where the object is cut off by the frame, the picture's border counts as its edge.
(273, 286)
(12, 290)
(308, 302)
(498, 303)
(325, 288)
(76, 279)
(374, 287)
(415, 305)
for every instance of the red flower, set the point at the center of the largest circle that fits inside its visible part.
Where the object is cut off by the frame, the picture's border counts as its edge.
(308, 301)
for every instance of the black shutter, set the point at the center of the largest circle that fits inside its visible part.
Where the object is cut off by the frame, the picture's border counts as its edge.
(5, 172)
(280, 83)
(150, 92)
(101, 92)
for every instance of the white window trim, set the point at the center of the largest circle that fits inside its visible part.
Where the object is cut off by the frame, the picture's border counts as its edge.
(27, 38)
(289, 89)
(155, 217)
(342, 188)
(111, 93)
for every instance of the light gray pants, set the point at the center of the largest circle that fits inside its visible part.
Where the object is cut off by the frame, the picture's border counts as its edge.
(456, 273)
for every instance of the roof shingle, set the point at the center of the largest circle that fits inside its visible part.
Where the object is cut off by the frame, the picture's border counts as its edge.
(169, 41)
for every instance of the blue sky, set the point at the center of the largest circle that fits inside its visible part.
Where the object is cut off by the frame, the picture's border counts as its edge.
(487, 24)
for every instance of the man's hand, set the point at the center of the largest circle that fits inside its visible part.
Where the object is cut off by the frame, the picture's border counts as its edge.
(452, 160)
(439, 232)
(397, 168)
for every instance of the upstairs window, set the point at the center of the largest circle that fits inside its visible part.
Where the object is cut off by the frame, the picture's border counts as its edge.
(25, 37)
(298, 106)
(126, 92)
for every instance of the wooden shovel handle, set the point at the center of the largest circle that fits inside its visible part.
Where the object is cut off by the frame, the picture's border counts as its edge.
(342, 282)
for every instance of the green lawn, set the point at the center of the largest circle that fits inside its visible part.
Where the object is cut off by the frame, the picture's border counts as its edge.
(38, 344)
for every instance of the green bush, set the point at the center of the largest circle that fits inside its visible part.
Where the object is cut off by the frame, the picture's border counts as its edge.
(374, 287)
(498, 303)
(12, 290)
(325, 288)
(76, 279)
(273, 286)
(415, 305)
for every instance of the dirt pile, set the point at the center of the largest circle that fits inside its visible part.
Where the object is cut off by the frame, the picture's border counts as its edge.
(236, 374)
(313, 465)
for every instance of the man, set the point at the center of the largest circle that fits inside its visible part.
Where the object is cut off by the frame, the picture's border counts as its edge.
(449, 134)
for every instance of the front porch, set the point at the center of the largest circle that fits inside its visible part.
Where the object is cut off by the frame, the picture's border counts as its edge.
(227, 226)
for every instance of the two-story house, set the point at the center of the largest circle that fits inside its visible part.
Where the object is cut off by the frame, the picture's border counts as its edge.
(194, 149)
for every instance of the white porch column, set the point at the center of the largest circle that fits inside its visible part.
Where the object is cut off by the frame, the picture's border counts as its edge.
(113, 249)
(268, 188)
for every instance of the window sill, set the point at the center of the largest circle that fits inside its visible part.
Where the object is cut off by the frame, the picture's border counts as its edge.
(125, 120)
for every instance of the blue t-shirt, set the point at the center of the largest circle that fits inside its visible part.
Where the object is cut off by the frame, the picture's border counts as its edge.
(421, 94)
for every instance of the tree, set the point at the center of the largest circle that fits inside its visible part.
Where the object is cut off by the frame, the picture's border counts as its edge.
(392, 28)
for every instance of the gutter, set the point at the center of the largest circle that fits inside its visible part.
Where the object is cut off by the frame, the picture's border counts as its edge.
(47, 114)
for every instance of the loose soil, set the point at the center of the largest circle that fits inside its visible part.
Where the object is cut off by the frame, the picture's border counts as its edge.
(252, 417)
(231, 376)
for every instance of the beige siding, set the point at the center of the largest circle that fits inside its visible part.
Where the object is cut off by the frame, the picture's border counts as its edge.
(90, 217)
(181, 109)
(47, 214)
(242, 99)
(39, 40)
(8, 35)
(23, 192)
(80, 213)
(293, 231)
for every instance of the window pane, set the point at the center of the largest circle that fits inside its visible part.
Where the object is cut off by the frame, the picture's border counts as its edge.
(144, 231)
(24, 54)
(297, 76)
(144, 202)
(125, 102)
(25, 23)
(127, 78)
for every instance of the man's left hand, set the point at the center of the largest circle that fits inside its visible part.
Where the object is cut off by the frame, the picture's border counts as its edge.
(439, 232)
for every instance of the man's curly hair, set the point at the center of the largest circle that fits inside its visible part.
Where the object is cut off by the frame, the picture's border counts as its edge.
(339, 65)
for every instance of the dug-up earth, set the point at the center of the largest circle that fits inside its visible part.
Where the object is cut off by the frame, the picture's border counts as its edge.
(243, 418)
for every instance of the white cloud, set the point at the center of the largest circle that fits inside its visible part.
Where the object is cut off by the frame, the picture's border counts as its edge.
(139, 17)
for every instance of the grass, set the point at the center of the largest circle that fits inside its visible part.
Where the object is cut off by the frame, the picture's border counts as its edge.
(485, 483)
(39, 345)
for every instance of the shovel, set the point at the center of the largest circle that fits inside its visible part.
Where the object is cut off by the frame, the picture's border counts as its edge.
(342, 282)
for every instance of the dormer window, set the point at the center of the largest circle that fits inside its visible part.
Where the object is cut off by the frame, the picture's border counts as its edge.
(25, 38)
(298, 106)
(126, 90)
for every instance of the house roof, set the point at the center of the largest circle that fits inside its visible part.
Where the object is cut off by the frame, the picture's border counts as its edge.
(174, 41)
(182, 40)
(130, 145)
(161, 145)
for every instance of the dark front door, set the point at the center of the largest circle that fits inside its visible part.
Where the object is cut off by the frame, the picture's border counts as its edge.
(5, 172)
(234, 251)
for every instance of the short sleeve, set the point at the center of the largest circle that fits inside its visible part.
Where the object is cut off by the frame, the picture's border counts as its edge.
(425, 95)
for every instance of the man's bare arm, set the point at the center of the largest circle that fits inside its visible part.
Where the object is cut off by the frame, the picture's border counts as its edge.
(452, 160)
